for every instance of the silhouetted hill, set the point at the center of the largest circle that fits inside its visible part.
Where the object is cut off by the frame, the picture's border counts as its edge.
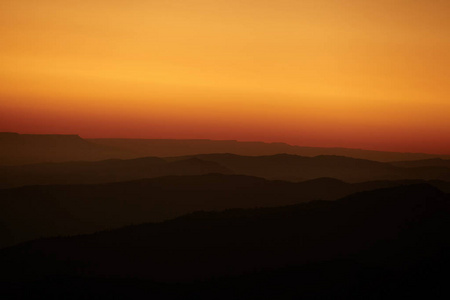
(274, 167)
(113, 170)
(17, 149)
(377, 244)
(173, 147)
(296, 168)
(41, 211)
(434, 162)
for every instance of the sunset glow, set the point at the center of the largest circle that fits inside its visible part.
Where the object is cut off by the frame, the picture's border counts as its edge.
(360, 74)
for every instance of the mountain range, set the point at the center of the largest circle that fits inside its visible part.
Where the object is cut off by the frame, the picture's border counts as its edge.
(275, 167)
(375, 244)
(205, 219)
(19, 149)
(174, 147)
(59, 210)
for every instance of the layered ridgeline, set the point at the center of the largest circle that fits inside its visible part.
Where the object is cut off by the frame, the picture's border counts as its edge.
(173, 147)
(113, 170)
(295, 168)
(40, 211)
(374, 245)
(433, 162)
(17, 149)
(274, 167)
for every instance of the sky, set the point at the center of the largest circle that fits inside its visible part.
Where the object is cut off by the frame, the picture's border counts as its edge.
(331, 73)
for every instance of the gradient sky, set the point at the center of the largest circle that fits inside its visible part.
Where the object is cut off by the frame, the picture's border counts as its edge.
(369, 74)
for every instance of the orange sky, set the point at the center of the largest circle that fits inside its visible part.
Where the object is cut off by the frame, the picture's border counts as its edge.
(351, 73)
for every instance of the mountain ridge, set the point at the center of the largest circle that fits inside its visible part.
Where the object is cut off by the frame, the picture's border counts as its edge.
(32, 211)
(19, 149)
(288, 167)
(174, 147)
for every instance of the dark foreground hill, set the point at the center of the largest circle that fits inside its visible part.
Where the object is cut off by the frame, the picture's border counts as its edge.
(41, 211)
(384, 244)
(273, 167)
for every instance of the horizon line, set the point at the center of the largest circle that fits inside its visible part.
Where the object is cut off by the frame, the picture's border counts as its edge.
(226, 140)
